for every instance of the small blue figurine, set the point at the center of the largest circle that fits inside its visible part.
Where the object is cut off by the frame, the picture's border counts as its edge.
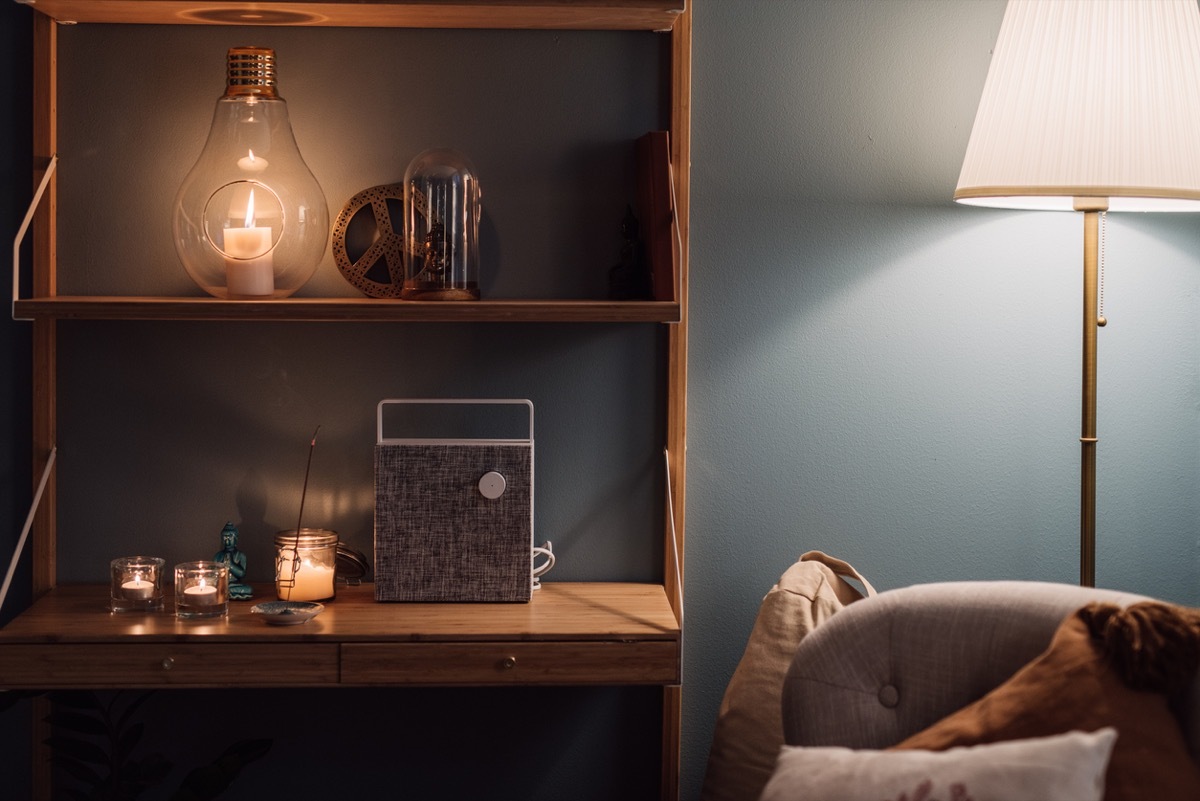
(236, 560)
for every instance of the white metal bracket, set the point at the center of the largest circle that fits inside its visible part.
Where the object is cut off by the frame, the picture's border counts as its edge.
(20, 237)
(674, 541)
(37, 501)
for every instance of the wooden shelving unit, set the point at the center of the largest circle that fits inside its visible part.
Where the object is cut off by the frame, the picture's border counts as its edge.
(581, 633)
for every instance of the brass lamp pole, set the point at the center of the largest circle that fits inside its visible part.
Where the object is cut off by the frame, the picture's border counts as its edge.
(1092, 106)
(1092, 208)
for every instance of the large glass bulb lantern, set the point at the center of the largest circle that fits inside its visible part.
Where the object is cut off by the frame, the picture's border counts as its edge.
(250, 220)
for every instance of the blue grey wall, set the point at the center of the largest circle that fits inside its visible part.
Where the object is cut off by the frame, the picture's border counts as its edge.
(874, 371)
(887, 377)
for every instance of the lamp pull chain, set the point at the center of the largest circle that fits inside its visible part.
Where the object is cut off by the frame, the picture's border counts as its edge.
(1101, 320)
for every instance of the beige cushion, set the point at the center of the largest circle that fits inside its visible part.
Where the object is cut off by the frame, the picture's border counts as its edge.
(1065, 767)
(749, 729)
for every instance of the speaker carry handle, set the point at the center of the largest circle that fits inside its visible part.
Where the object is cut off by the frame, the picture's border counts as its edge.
(381, 440)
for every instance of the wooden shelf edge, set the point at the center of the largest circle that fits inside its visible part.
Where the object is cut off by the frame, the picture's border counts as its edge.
(575, 633)
(649, 15)
(80, 307)
(77, 614)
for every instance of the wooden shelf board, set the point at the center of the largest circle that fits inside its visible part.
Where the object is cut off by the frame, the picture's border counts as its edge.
(81, 307)
(651, 15)
(560, 611)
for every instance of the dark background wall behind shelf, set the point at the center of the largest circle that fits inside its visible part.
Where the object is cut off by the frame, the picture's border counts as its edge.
(169, 429)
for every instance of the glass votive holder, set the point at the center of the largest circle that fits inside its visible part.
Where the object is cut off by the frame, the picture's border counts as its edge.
(136, 584)
(201, 589)
(305, 564)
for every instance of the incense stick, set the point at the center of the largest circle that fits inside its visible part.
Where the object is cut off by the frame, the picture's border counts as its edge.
(312, 446)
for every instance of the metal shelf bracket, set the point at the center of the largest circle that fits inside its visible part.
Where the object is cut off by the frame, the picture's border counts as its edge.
(20, 237)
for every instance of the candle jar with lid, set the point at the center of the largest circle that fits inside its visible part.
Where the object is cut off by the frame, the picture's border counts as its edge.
(441, 227)
(250, 220)
(305, 564)
(201, 589)
(136, 583)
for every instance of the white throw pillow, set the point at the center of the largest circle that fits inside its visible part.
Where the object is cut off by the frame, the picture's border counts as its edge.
(1064, 767)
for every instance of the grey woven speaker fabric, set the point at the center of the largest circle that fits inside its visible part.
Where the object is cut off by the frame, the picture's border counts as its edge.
(437, 538)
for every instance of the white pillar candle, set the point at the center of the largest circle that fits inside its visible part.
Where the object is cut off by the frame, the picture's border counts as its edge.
(249, 266)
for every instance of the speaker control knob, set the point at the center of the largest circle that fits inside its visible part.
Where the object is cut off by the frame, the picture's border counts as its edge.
(492, 485)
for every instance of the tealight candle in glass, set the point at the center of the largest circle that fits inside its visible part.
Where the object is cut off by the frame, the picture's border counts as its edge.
(201, 589)
(136, 584)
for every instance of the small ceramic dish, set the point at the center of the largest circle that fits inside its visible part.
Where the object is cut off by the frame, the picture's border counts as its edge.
(287, 613)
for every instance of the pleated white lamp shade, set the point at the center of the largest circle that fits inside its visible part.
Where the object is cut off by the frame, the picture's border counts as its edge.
(1089, 99)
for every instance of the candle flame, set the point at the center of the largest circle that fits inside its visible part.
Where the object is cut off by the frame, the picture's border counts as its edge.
(250, 209)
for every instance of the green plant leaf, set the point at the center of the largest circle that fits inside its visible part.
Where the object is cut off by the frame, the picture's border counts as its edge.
(80, 771)
(206, 783)
(77, 699)
(133, 707)
(119, 776)
(10, 698)
(81, 750)
(107, 793)
(78, 722)
(148, 771)
(127, 740)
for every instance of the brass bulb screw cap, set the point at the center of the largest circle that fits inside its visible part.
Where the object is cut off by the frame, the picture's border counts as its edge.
(250, 71)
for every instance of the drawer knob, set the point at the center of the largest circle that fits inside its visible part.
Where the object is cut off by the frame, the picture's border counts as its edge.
(508, 662)
(168, 663)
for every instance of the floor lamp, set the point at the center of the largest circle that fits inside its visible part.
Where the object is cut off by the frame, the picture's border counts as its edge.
(1090, 106)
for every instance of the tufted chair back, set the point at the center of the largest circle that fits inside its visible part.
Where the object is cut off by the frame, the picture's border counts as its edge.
(889, 666)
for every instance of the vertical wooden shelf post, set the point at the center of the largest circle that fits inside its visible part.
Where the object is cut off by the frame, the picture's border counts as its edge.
(45, 364)
(681, 93)
(45, 359)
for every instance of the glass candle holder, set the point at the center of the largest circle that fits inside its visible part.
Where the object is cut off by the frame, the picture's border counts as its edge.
(136, 584)
(201, 589)
(305, 564)
(250, 220)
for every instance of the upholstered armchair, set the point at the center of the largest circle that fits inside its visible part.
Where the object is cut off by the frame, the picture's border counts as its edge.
(938, 666)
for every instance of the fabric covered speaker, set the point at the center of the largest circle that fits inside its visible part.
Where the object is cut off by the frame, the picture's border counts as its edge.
(453, 516)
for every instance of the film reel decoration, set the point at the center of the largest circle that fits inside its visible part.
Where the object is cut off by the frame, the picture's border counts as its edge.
(378, 269)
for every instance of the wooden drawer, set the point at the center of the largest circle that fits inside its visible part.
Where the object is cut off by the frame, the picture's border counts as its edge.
(641, 662)
(167, 664)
